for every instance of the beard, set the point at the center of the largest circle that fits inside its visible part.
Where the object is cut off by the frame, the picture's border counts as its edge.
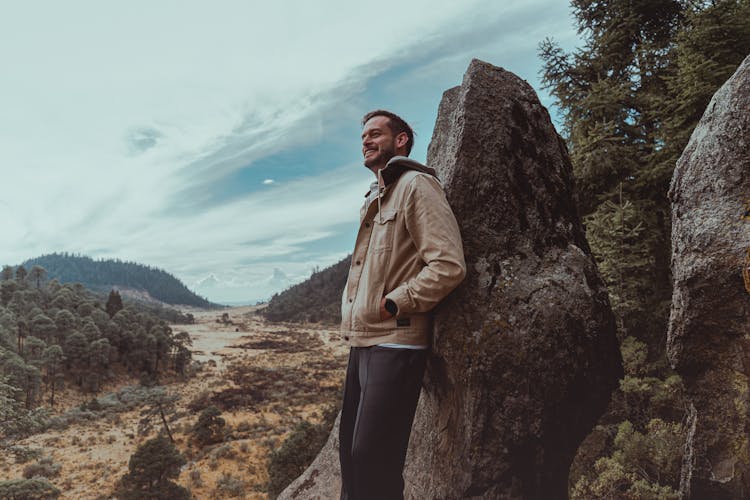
(381, 157)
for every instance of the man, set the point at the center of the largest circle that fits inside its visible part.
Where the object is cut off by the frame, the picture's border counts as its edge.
(407, 257)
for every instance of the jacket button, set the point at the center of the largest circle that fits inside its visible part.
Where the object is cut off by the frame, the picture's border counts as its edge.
(358, 262)
(367, 224)
(346, 338)
(350, 300)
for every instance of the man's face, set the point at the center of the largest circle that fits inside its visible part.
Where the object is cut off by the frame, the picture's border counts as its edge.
(378, 142)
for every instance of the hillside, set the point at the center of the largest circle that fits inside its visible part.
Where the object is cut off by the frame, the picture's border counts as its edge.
(73, 413)
(103, 275)
(318, 299)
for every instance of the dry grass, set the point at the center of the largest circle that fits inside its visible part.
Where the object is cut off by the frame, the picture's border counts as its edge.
(264, 377)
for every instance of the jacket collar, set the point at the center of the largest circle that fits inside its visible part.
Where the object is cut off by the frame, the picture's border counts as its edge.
(398, 164)
(392, 171)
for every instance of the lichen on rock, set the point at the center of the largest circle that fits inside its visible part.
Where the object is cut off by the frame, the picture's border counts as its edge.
(708, 341)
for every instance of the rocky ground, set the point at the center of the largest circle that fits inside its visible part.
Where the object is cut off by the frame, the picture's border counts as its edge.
(265, 378)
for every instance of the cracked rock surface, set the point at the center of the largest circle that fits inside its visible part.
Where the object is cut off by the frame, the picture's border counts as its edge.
(708, 341)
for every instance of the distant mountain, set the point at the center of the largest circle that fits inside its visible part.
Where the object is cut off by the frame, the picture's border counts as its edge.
(318, 299)
(142, 282)
(229, 290)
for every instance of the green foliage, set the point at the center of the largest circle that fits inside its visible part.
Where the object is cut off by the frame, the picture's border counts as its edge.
(209, 428)
(711, 42)
(317, 299)
(618, 234)
(114, 303)
(630, 98)
(37, 488)
(643, 460)
(150, 471)
(81, 343)
(297, 452)
(101, 275)
(642, 465)
(6, 273)
(230, 486)
(607, 92)
(21, 274)
(24, 454)
(45, 467)
(158, 405)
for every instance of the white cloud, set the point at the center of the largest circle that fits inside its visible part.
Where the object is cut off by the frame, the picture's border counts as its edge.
(113, 113)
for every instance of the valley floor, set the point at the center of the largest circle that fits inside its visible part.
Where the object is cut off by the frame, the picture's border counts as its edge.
(264, 377)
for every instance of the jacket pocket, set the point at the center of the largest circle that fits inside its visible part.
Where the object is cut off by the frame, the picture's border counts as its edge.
(381, 239)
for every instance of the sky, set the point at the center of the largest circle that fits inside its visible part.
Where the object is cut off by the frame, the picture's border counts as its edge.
(219, 140)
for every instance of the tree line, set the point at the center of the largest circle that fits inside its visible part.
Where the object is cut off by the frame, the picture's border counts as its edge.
(318, 299)
(104, 274)
(53, 334)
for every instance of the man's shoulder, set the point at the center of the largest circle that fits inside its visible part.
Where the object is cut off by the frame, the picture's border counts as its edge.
(410, 178)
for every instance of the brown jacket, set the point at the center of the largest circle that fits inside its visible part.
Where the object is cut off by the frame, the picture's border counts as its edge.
(409, 250)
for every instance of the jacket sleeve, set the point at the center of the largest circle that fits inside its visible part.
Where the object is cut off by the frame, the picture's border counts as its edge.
(434, 231)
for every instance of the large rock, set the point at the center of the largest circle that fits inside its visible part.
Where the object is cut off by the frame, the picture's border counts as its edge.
(708, 341)
(524, 353)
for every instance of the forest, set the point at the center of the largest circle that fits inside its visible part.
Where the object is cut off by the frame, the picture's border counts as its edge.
(103, 274)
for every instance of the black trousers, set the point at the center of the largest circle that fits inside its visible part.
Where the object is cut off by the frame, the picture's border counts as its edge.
(380, 397)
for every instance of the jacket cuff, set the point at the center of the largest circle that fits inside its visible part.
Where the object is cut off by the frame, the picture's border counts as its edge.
(400, 297)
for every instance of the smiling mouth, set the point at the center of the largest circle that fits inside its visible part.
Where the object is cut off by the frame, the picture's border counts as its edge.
(370, 151)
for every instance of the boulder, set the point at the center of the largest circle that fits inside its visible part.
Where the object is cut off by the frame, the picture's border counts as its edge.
(322, 479)
(524, 354)
(708, 341)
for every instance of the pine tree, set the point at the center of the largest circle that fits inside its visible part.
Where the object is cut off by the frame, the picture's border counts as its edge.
(630, 98)
(209, 428)
(711, 43)
(617, 231)
(607, 92)
(21, 274)
(37, 274)
(150, 471)
(114, 303)
(7, 273)
(52, 363)
(158, 404)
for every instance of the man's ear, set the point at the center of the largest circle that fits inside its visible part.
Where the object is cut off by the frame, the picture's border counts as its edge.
(401, 140)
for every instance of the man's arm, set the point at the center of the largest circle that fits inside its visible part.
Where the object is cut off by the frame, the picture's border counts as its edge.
(434, 230)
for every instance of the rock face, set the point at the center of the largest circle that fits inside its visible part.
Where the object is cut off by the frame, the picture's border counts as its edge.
(708, 341)
(322, 480)
(524, 354)
(524, 351)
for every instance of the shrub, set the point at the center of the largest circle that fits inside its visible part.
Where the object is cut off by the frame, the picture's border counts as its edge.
(23, 454)
(295, 454)
(45, 467)
(200, 402)
(641, 465)
(230, 485)
(224, 451)
(209, 428)
(195, 478)
(37, 488)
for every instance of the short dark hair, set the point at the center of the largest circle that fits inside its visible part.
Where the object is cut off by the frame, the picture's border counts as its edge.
(395, 123)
